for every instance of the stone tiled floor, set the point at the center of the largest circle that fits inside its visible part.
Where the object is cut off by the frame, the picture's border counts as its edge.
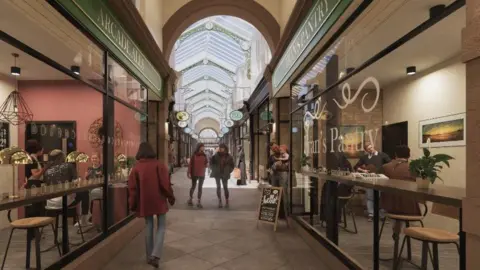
(221, 239)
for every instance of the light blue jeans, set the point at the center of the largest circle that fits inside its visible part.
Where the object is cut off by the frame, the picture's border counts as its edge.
(154, 244)
(370, 205)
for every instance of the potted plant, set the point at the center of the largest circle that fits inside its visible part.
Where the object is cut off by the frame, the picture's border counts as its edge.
(305, 161)
(426, 168)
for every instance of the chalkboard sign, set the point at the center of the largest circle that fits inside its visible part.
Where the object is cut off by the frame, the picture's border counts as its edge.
(4, 135)
(270, 205)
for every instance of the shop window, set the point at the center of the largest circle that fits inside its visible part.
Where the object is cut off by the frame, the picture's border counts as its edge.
(50, 124)
(126, 87)
(40, 26)
(410, 96)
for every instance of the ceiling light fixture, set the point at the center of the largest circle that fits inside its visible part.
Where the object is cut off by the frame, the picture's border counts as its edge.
(411, 70)
(349, 70)
(436, 11)
(75, 69)
(14, 70)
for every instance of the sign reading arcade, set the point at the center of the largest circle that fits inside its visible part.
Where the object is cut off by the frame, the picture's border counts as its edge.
(320, 19)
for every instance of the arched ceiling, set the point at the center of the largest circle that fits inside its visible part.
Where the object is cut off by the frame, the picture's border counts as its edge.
(207, 56)
(207, 123)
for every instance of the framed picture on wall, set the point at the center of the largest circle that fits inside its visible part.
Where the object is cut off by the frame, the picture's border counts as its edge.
(443, 131)
(352, 140)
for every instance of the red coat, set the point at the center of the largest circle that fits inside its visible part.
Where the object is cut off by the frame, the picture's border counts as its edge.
(198, 165)
(150, 196)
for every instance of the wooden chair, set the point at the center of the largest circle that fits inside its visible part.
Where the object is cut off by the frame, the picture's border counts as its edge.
(407, 219)
(33, 226)
(432, 236)
(345, 208)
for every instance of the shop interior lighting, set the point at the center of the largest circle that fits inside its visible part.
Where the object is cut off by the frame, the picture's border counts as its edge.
(411, 70)
(75, 69)
(14, 70)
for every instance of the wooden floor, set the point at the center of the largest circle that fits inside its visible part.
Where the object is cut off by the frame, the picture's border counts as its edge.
(16, 256)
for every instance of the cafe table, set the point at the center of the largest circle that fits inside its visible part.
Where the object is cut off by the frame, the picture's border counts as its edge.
(30, 196)
(437, 193)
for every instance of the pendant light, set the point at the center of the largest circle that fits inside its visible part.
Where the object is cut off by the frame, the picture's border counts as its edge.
(14, 109)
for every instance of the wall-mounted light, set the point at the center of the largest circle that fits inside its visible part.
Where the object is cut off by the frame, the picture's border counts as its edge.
(274, 128)
(166, 127)
(14, 70)
(75, 69)
(411, 70)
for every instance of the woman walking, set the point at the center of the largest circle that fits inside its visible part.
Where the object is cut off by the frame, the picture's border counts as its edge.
(196, 171)
(222, 166)
(149, 189)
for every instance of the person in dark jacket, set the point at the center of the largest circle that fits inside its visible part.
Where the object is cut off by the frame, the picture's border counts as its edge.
(149, 190)
(222, 166)
(196, 171)
(374, 160)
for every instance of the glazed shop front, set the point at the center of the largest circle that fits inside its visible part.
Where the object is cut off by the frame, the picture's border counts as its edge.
(77, 96)
(383, 88)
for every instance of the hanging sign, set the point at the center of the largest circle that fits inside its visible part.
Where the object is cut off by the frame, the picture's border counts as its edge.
(236, 115)
(182, 116)
(270, 206)
(182, 124)
(228, 123)
(187, 130)
(266, 116)
(225, 130)
(320, 19)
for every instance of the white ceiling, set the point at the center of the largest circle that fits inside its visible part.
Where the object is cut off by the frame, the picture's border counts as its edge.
(382, 24)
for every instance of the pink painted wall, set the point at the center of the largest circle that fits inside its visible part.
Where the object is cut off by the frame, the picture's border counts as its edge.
(73, 101)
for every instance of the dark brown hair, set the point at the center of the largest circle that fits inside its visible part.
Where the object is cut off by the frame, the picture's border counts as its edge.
(145, 151)
(224, 146)
(200, 145)
(33, 146)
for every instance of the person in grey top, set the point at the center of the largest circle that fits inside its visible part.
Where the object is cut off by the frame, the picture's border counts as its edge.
(57, 172)
(377, 159)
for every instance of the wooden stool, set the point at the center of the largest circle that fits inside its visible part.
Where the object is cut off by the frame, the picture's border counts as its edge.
(100, 205)
(433, 236)
(71, 212)
(345, 207)
(32, 225)
(407, 219)
(427, 236)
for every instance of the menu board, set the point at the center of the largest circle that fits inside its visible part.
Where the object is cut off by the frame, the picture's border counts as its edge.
(270, 205)
(4, 135)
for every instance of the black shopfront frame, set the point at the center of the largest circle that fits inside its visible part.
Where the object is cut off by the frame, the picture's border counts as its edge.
(331, 240)
(108, 102)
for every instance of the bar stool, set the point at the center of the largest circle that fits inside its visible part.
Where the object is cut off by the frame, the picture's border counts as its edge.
(71, 212)
(32, 225)
(345, 208)
(431, 236)
(100, 203)
(396, 234)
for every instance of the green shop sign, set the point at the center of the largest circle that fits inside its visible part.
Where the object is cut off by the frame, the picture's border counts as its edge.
(95, 16)
(320, 19)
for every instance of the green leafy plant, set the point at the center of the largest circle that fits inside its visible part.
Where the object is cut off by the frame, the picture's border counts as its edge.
(305, 160)
(429, 166)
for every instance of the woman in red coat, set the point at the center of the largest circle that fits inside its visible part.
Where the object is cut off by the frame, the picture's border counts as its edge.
(196, 171)
(149, 189)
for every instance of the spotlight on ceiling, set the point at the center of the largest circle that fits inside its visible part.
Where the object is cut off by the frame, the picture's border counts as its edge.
(75, 69)
(411, 70)
(14, 70)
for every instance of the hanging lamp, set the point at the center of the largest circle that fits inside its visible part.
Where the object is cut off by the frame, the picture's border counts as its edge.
(14, 109)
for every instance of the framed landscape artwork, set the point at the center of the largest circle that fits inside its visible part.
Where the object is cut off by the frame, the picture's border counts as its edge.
(352, 140)
(443, 131)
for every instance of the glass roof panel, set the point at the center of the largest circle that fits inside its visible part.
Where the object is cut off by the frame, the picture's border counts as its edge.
(208, 55)
(208, 133)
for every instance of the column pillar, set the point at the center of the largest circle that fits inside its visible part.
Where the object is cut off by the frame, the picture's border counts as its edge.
(471, 204)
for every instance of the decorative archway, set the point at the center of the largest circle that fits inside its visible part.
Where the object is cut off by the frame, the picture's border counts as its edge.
(196, 10)
(207, 123)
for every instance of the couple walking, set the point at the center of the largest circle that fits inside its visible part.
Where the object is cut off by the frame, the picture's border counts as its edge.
(221, 166)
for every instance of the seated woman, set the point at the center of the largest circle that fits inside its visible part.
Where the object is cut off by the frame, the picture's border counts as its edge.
(93, 172)
(58, 171)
